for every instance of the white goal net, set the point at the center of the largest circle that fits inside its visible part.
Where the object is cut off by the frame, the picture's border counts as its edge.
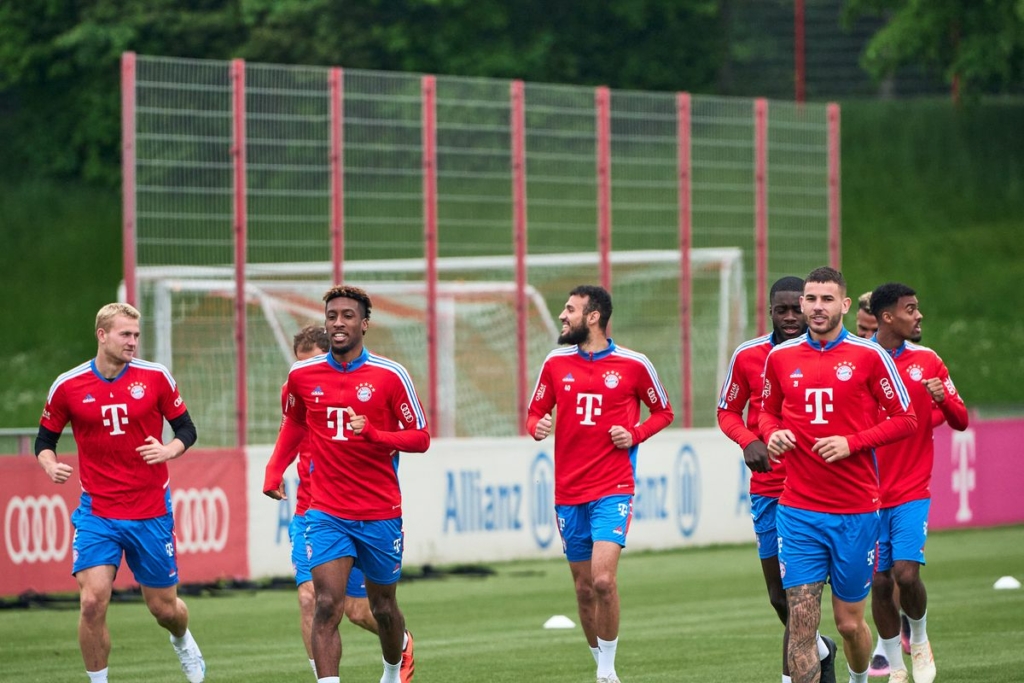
(189, 326)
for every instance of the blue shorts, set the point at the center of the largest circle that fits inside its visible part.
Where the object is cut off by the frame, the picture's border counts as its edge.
(356, 587)
(820, 546)
(605, 519)
(148, 545)
(762, 511)
(376, 545)
(903, 533)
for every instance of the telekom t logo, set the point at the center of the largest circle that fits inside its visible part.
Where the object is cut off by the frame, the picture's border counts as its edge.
(589, 406)
(816, 404)
(115, 416)
(964, 476)
(337, 424)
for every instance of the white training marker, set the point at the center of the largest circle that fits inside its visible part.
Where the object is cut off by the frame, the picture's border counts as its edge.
(1006, 583)
(559, 621)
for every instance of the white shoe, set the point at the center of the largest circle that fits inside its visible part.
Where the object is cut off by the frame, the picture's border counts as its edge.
(608, 679)
(899, 676)
(192, 662)
(924, 662)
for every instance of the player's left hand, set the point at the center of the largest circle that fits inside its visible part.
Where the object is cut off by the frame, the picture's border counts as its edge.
(278, 493)
(357, 423)
(935, 388)
(621, 437)
(154, 452)
(832, 448)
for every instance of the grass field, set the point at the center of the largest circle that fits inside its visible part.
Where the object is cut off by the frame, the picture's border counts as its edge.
(692, 615)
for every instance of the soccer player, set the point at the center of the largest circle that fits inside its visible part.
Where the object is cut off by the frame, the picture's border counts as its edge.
(819, 409)
(742, 389)
(905, 471)
(312, 341)
(597, 388)
(866, 321)
(359, 410)
(116, 405)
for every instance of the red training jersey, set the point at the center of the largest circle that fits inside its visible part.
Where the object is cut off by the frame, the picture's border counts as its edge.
(302, 495)
(592, 392)
(352, 476)
(905, 467)
(742, 388)
(110, 418)
(819, 390)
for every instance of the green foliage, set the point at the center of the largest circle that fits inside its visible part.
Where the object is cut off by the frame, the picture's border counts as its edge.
(59, 59)
(980, 44)
(690, 615)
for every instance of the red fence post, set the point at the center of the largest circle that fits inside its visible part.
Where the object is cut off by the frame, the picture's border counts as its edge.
(602, 101)
(240, 232)
(128, 176)
(518, 130)
(429, 95)
(685, 244)
(761, 209)
(336, 80)
(834, 179)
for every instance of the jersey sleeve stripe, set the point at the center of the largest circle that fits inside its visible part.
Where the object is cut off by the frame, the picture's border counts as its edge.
(73, 372)
(150, 365)
(643, 360)
(901, 389)
(732, 363)
(406, 380)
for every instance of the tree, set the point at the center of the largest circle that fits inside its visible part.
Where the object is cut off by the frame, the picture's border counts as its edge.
(978, 45)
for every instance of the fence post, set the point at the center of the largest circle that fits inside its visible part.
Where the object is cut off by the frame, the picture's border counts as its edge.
(834, 179)
(518, 126)
(128, 176)
(240, 232)
(602, 101)
(685, 244)
(761, 209)
(428, 86)
(336, 81)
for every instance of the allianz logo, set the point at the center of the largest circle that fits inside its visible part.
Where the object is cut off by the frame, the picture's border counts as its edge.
(471, 504)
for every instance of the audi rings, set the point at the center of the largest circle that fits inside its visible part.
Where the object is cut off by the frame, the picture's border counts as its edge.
(201, 519)
(37, 529)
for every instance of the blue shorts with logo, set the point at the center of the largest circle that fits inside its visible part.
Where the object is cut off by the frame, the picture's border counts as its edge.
(376, 545)
(356, 587)
(762, 512)
(820, 546)
(605, 519)
(148, 545)
(903, 533)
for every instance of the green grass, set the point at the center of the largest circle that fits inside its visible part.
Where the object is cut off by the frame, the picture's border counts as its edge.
(688, 615)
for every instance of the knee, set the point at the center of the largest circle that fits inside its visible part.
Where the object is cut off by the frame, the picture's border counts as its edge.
(780, 605)
(358, 612)
(384, 612)
(605, 585)
(907, 573)
(93, 607)
(164, 611)
(327, 608)
(307, 599)
(849, 626)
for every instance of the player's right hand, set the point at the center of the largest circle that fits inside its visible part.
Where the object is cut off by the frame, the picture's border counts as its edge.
(60, 472)
(757, 458)
(780, 442)
(543, 428)
(278, 493)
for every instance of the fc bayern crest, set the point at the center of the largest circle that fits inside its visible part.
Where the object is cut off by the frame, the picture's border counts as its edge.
(844, 371)
(916, 372)
(364, 392)
(137, 390)
(612, 379)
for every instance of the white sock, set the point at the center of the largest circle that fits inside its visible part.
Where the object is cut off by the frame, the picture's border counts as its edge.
(405, 640)
(894, 653)
(606, 657)
(879, 648)
(596, 651)
(390, 671)
(786, 679)
(183, 641)
(861, 677)
(919, 629)
(329, 679)
(312, 665)
(98, 676)
(822, 647)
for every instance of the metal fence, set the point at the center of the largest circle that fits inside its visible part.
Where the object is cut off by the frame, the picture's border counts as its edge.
(468, 208)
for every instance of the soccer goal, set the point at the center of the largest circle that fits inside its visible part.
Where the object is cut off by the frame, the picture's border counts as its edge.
(190, 313)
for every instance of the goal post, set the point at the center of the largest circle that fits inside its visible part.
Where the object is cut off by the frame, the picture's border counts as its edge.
(189, 321)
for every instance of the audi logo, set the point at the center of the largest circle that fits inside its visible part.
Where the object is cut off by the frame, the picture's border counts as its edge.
(201, 519)
(37, 529)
